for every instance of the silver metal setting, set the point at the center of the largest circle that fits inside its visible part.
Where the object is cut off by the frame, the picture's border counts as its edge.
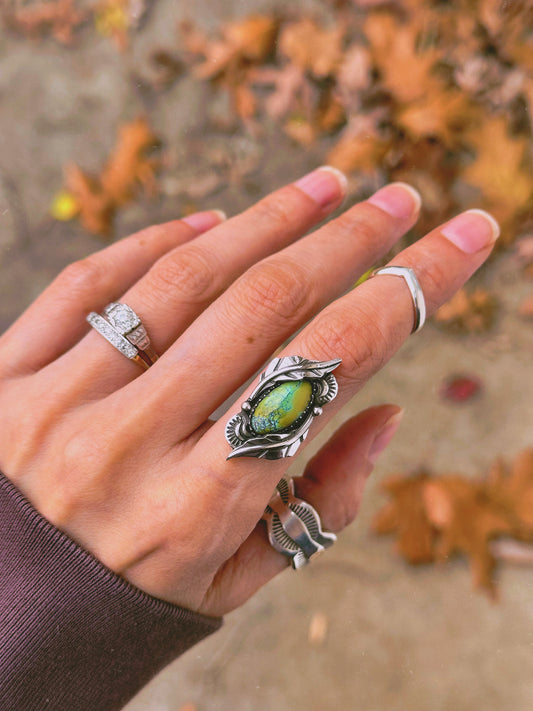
(106, 330)
(419, 303)
(124, 319)
(294, 527)
(239, 431)
(120, 325)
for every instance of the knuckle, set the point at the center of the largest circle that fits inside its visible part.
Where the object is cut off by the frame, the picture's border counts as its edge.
(352, 337)
(189, 273)
(275, 290)
(82, 275)
(275, 210)
(353, 222)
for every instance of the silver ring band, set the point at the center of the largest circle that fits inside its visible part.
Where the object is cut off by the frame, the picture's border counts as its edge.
(294, 527)
(419, 303)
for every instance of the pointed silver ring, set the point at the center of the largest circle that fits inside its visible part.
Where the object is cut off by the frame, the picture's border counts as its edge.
(415, 290)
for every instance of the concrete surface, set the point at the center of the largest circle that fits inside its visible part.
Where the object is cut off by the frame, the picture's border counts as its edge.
(398, 638)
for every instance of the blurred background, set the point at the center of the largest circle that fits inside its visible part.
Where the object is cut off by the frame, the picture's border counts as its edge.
(121, 113)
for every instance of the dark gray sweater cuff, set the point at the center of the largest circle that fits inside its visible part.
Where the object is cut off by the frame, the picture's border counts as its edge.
(73, 634)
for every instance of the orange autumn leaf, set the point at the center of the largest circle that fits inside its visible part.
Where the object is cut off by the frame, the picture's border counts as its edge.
(467, 520)
(405, 70)
(59, 18)
(502, 169)
(128, 167)
(434, 518)
(312, 47)
(405, 516)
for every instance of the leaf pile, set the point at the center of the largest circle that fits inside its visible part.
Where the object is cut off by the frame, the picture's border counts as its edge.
(439, 94)
(95, 198)
(434, 518)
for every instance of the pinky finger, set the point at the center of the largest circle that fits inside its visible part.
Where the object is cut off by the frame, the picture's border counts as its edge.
(333, 483)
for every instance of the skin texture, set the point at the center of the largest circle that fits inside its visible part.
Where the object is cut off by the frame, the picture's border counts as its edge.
(128, 463)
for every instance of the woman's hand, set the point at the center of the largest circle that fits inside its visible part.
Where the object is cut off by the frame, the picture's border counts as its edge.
(128, 463)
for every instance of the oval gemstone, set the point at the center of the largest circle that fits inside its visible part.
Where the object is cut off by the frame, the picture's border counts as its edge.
(281, 406)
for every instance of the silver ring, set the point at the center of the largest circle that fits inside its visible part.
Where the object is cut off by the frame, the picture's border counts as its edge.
(276, 418)
(294, 527)
(124, 330)
(415, 290)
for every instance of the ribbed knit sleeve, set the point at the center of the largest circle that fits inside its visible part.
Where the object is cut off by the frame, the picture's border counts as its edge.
(74, 636)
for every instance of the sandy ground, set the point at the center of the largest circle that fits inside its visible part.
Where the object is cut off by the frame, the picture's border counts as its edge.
(398, 638)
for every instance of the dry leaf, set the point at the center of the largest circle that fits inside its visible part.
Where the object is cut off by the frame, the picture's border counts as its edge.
(460, 388)
(311, 47)
(458, 515)
(58, 18)
(406, 516)
(128, 167)
(468, 312)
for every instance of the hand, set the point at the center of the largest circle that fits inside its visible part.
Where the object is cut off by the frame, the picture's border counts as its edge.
(127, 462)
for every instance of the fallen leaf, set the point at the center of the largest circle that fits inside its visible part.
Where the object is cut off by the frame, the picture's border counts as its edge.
(460, 388)
(468, 311)
(58, 18)
(405, 515)
(97, 197)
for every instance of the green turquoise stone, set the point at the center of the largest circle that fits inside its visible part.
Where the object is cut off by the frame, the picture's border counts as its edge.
(281, 406)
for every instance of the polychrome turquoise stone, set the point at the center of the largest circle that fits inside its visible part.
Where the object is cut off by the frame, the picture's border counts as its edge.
(281, 406)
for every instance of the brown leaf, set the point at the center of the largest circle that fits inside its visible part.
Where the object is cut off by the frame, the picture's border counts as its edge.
(405, 70)
(468, 312)
(59, 18)
(311, 47)
(502, 170)
(127, 168)
(406, 516)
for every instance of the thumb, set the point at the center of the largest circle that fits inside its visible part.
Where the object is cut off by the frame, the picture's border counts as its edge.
(335, 477)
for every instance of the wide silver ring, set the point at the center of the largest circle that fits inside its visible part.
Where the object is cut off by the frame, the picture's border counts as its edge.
(276, 417)
(120, 326)
(294, 527)
(415, 290)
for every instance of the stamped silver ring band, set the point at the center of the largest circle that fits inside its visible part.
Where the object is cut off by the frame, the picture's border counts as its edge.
(294, 527)
(415, 289)
(124, 330)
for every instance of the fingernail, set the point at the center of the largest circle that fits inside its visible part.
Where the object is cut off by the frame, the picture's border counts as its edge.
(384, 436)
(325, 185)
(472, 230)
(203, 221)
(397, 199)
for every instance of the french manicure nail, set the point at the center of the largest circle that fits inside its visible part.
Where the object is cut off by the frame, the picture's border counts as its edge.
(397, 199)
(325, 185)
(472, 230)
(203, 221)
(384, 436)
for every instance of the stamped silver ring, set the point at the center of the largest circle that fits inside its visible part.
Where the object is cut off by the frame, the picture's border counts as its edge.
(121, 326)
(276, 418)
(294, 527)
(415, 290)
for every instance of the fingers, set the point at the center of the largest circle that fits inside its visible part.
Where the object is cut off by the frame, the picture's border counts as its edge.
(181, 284)
(333, 483)
(56, 320)
(269, 303)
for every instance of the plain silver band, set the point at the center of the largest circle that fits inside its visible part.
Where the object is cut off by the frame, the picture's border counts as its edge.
(415, 289)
